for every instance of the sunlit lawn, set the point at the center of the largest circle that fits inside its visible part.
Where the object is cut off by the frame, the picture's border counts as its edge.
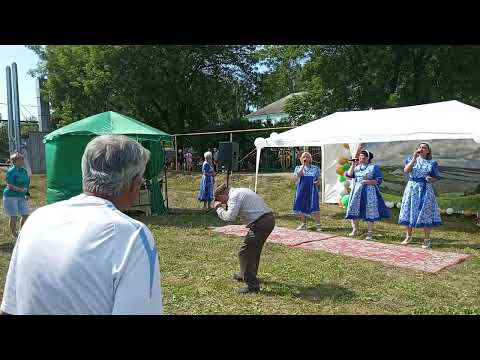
(197, 264)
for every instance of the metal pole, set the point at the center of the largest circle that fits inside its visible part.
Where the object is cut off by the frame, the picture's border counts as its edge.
(231, 137)
(16, 106)
(322, 174)
(176, 154)
(10, 124)
(43, 108)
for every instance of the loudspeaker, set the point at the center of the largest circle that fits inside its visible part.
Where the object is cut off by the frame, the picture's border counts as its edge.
(228, 153)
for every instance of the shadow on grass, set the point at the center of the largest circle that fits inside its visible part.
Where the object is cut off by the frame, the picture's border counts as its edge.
(185, 218)
(313, 294)
(7, 247)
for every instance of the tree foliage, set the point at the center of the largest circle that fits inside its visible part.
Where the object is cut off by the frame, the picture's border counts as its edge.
(188, 88)
(354, 77)
(282, 72)
(174, 88)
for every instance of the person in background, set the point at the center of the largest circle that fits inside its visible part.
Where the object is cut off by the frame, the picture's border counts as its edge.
(298, 155)
(216, 163)
(366, 201)
(260, 222)
(208, 181)
(181, 160)
(307, 201)
(419, 206)
(189, 160)
(15, 194)
(83, 256)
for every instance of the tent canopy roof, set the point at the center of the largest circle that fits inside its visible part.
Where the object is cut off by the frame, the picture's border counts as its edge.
(109, 122)
(442, 120)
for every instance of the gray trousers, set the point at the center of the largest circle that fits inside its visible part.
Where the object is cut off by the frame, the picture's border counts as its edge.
(251, 249)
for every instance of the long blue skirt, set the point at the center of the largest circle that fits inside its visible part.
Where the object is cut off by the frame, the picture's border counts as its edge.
(206, 188)
(419, 206)
(307, 201)
(366, 203)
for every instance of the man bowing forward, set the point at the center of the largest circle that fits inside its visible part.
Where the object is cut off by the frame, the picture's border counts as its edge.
(260, 221)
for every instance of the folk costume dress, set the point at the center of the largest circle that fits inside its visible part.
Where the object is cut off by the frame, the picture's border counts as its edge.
(366, 201)
(207, 183)
(307, 201)
(419, 206)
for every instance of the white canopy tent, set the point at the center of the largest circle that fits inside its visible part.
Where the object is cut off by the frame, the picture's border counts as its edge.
(442, 120)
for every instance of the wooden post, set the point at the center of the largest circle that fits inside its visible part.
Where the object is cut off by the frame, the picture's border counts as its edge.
(176, 154)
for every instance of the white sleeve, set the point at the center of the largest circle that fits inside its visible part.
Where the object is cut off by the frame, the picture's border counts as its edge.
(138, 290)
(9, 302)
(233, 209)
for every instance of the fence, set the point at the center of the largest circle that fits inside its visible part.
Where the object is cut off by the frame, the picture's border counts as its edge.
(36, 152)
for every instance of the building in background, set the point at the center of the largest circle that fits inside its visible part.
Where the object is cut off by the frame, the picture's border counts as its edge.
(273, 112)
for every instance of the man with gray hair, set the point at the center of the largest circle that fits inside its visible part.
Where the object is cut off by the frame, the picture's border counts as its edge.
(83, 255)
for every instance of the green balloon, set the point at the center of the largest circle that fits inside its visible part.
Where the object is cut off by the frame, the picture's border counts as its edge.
(345, 200)
(346, 166)
(341, 178)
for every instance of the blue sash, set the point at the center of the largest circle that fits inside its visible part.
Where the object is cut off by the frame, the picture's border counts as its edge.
(424, 183)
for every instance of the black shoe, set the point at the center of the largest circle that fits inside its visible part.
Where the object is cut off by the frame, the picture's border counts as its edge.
(247, 290)
(238, 277)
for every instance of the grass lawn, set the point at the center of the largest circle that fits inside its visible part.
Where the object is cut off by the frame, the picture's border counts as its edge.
(197, 264)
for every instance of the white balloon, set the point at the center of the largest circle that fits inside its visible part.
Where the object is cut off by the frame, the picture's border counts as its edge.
(399, 205)
(389, 204)
(260, 142)
(476, 137)
(346, 183)
(339, 187)
(274, 136)
(449, 211)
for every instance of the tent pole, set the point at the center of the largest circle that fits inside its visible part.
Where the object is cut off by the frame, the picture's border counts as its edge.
(323, 173)
(176, 154)
(324, 207)
(257, 160)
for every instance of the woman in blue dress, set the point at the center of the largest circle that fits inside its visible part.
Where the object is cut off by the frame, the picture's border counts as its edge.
(207, 184)
(307, 201)
(366, 201)
(419, 205)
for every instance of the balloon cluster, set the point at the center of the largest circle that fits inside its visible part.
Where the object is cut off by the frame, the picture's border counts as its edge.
(451, 211)
(343, 185)
(391, 204)
(448, 211)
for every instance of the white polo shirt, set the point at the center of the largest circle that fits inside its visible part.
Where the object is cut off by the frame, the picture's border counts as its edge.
(83, 256)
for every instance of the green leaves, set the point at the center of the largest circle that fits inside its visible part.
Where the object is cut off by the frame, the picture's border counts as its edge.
(347, 77)
(174, 88)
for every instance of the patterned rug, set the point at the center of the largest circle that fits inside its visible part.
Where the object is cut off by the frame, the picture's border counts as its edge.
(396, 255)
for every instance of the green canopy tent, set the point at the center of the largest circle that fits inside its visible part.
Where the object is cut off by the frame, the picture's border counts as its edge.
(64, 150)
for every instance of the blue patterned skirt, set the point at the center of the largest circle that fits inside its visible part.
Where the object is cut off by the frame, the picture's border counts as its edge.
(307, 201)
(366, 203)
(419, 205)
(206, 188)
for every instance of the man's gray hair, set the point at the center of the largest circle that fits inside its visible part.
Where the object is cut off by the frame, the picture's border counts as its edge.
(110, 163)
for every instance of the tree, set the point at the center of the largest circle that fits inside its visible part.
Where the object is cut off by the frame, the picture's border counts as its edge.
(347, 77)
(175, 88)
(283, 64)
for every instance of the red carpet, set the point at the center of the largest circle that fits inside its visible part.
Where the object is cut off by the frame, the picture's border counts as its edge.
(409, 257)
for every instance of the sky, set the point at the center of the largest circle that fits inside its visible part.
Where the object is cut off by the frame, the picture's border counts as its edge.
(26, 60)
